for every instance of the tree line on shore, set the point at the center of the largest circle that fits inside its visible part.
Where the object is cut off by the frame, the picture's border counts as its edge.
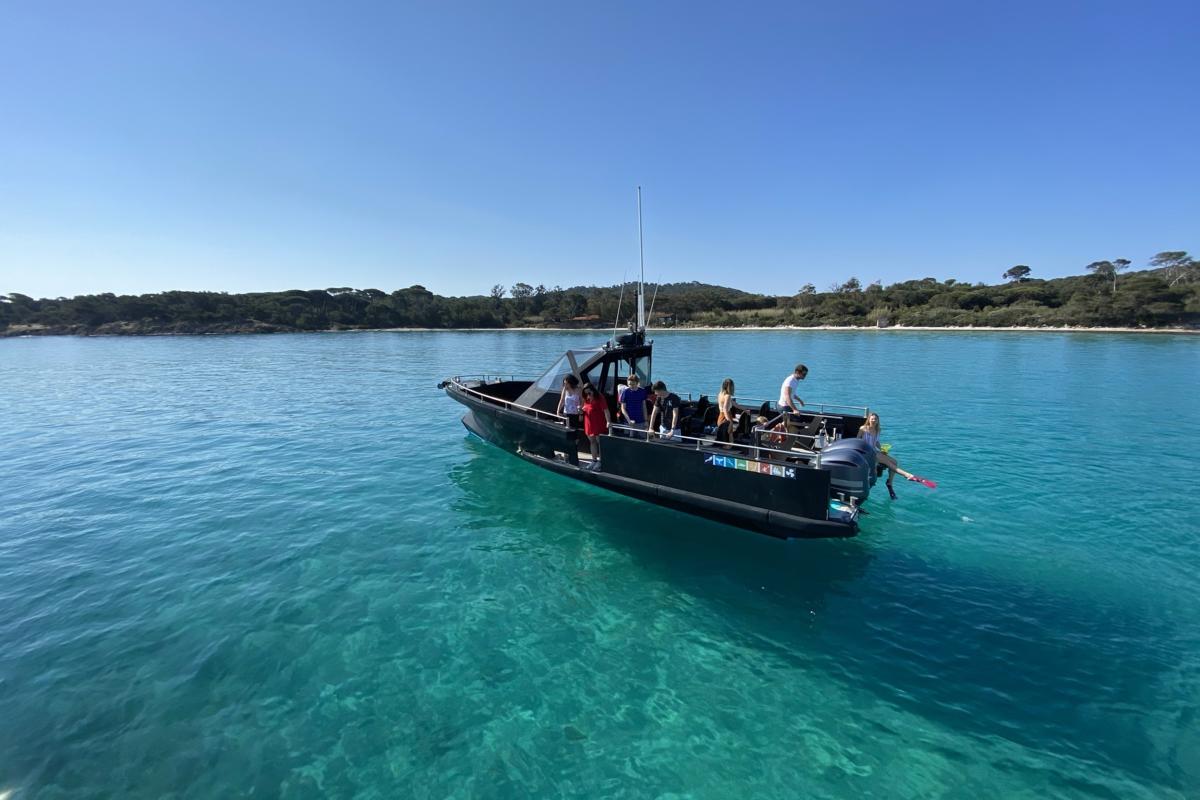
(1167, 294)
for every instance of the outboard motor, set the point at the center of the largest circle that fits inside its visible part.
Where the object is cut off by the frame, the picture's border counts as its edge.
(857, 445)
(851, 463)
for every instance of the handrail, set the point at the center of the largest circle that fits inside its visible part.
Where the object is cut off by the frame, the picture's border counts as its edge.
(701, 444)
(457, 382)
(485, 377)
(770, 429)
(747, 403)
(808, 407)
(819, 408)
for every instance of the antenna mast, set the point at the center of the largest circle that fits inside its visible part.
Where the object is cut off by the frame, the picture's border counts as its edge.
(641, 308)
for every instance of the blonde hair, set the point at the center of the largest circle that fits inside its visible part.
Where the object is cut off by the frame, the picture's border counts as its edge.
(867, 423)
(727, 386)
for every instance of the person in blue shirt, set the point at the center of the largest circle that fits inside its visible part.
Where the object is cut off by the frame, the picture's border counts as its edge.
(633, 402)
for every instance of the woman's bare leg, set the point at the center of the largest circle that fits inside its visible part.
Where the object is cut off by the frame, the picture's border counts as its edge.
(893, 467)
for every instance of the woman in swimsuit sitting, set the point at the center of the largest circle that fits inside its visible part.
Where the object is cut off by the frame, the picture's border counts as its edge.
(869, 433)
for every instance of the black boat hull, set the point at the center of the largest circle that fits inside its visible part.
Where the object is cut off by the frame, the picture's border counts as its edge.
(517, 432)
(773, 523)
(675, 476)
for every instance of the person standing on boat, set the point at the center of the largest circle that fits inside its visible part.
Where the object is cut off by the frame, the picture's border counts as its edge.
(570, 401)
(869, 433)
(788, 399)
(666, 408)
(725, 411)
(633, 401)
(596, 420)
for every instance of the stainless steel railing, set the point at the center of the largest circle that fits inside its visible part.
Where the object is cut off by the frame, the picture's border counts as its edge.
(485, 377)
(457, 382)
(809, 408)
(754, 450)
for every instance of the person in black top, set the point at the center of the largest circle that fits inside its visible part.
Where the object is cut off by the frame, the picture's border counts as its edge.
(665, 416)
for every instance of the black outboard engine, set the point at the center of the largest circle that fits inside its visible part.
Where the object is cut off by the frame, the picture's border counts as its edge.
(852, 464)
(857, 445)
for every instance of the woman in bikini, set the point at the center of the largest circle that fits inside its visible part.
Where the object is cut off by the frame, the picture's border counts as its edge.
(869, 433)
(725, 411)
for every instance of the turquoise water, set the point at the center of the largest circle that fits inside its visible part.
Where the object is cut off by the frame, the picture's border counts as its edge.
(277, 566)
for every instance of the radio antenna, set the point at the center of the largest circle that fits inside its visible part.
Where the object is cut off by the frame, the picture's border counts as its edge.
(642, 263)
(655, 297)
(620, 300)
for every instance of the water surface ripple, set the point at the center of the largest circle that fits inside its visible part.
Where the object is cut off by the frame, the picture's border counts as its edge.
(276, 566)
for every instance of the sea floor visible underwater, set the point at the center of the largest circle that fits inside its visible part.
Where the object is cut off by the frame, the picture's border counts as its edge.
(278, 566)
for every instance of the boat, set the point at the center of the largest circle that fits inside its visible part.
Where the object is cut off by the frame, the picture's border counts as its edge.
(784, 474)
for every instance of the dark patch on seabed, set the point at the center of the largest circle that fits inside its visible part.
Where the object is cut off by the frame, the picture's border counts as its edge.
(956, 646)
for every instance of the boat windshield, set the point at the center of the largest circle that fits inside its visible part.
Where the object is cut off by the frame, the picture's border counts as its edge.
(642, 367)
(550, 381)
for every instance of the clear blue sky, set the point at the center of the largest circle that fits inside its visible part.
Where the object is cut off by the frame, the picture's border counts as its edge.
(254, 146)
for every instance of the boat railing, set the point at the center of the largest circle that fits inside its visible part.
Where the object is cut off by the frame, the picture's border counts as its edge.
(458, 383)
(753, 451)
(485, 377)
(745, 402)
(809, 408)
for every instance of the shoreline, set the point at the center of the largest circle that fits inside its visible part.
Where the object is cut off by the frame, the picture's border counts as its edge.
(867, 328)
(254, 330)
(951, 328)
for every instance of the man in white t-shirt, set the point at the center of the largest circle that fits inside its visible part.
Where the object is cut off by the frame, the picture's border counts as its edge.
(788, 399)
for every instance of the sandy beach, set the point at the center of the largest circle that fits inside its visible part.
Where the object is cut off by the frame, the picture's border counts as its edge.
(797, 328)
(32, 331)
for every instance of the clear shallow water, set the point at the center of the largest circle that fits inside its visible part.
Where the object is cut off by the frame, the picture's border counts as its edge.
(277, 566)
